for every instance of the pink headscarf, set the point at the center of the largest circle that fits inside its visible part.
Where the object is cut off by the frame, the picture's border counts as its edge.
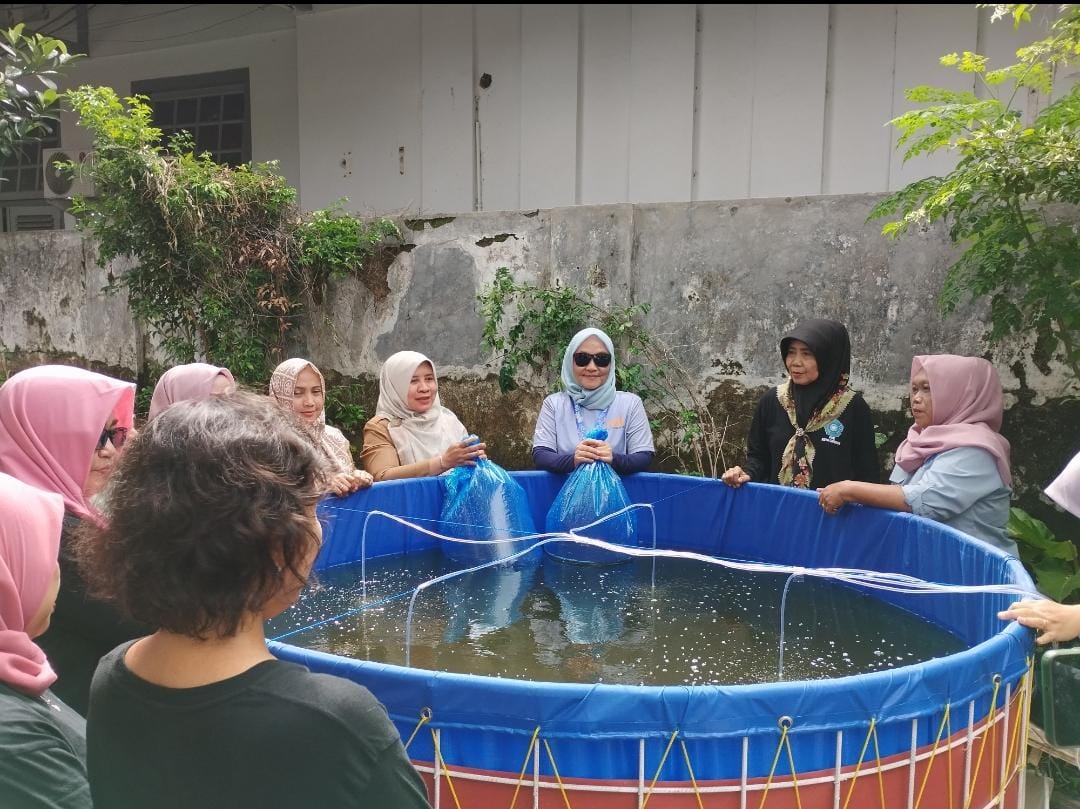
(967, 406)
(50, 419)
(191, 381)
(29, 544)
(1065, 490)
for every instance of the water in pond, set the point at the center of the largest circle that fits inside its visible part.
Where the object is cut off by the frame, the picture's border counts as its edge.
(554, 621)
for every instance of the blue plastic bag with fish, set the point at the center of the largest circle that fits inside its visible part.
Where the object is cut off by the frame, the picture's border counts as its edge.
(483, 502)
(592, 491)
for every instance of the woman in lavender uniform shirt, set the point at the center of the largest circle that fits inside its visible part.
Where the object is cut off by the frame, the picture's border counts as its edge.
(589, 400)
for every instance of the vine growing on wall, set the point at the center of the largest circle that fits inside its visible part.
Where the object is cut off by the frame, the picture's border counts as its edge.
(222, 259)
(529, 327)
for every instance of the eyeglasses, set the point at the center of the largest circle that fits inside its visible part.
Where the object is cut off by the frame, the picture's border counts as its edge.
(117, 435)
(583, 358)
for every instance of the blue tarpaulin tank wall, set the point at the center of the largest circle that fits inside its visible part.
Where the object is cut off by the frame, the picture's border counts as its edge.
(949, 732)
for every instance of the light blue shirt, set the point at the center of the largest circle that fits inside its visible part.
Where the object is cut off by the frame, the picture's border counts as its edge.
(961, 488)
(627, 425)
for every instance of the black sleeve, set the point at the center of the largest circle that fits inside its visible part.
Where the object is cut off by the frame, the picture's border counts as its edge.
(549, 460)
(864, 458)
(628, 463)
(395, 782)
(757, 443)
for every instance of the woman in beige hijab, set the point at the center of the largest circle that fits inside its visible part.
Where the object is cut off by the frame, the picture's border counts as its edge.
(412, 434)
(298, 386)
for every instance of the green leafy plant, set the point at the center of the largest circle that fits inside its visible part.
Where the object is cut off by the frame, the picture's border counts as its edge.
(29, 101)
(1053, 561)
(529, 326)
(223, 261)
(1012, 199)
(344, 409)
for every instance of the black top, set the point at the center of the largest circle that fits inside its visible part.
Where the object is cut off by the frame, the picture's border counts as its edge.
(276, 736)
(851, 455)
(82, 629)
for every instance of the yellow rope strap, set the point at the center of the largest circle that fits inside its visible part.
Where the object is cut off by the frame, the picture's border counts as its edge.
(425, 717)
(1011, 759)
(933, 758)
(784, 743)
(441, 762)
(871, 733)
(659, 767)
(558, 779)
(693, 780)
(525, 765)
(982, 747)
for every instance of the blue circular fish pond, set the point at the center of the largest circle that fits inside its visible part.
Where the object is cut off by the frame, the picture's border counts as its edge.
(947, 732)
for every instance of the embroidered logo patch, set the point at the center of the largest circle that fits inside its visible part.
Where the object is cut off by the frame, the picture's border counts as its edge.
(834, 429)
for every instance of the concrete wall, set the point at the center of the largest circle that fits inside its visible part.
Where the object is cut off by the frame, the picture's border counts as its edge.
(590, 104)
(725, 280)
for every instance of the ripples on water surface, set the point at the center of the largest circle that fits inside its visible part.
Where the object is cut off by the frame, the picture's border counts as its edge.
(553, 621)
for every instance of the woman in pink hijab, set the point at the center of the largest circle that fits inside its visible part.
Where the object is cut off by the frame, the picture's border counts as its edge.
(42, 740)
(953, 466)
(61, 429)
(196, 380)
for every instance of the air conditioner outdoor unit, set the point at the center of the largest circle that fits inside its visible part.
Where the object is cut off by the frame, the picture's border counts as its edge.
(65, 183)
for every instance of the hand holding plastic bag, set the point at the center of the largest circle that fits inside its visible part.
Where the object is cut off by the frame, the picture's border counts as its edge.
(482, 501)
(592, 491)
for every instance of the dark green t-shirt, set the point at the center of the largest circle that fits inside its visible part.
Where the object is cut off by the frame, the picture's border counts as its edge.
(42, 753)
(275, 736)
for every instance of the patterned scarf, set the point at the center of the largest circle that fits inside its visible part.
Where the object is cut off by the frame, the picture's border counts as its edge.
(797, 463)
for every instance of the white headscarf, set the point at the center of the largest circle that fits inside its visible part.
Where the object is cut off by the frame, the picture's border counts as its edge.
(417, 436)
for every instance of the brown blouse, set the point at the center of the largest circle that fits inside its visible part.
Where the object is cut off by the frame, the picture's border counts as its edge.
(380, 456)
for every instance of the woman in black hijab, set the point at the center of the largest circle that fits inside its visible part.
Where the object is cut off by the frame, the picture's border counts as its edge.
(813, 429)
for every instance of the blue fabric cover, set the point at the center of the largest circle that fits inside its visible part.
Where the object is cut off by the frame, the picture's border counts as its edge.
(594, 730)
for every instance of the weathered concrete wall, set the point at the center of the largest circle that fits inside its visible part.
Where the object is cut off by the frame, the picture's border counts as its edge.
(725, 280)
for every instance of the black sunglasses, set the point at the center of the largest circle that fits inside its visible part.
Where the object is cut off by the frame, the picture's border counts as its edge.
(118, 435)
(582, 359)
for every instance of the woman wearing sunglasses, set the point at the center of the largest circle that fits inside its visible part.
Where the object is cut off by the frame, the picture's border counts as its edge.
(589, 401)
(61, 430)
(814, 428)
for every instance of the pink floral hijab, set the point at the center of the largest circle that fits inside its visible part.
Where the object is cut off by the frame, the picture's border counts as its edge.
(967, 407)
(328, 440)
(192, 381)
(29, 544)
(51, 418)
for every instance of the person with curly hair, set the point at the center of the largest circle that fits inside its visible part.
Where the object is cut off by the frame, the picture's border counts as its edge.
(213, 530)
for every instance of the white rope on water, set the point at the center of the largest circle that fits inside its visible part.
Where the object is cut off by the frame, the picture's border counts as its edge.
(876, 580)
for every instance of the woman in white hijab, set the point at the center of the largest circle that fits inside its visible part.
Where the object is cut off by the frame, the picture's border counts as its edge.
(412, 435)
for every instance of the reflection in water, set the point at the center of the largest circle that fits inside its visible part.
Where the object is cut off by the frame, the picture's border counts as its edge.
(569, 623)
(487, 600)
